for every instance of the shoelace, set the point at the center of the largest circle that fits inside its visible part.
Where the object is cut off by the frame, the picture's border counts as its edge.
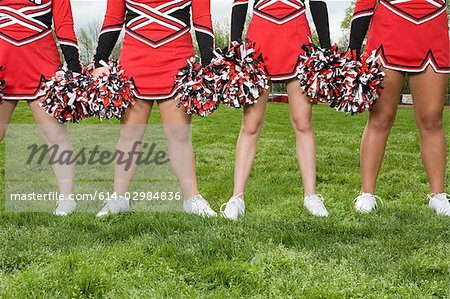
(111, 203)
(201, 204)
(430, 196)
(222, 210)
(320, 197)
(233, 203)
(63, 202)
(371, 195)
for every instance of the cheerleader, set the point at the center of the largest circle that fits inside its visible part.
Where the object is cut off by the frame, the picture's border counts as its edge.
(279, 29)
(408, 37)
(156, 45)
(28, 55)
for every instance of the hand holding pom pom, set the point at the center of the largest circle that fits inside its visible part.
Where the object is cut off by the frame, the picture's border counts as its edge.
(197, 88)
(110, 91)
(319, 73)
(100, 71)
(242, 76)
(237, 78)
(65, 97)
(362, 83)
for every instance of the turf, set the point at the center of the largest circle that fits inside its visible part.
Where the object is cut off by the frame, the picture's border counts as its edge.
(277, 250)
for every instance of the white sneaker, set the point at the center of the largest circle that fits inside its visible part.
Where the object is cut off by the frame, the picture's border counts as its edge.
(314, 204)
(65, 207)
(366, 203)
(440, 203)
(234, 208)
(197, 205)
(114, 206)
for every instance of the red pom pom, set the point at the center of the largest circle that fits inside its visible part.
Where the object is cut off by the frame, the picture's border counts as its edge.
(64, 97)
(242, 77)
(319, 73)
(362, 80)
(197, 88)
(110, 94)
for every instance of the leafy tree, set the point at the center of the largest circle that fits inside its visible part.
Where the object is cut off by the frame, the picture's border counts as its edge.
(345, 26)
(87, 42)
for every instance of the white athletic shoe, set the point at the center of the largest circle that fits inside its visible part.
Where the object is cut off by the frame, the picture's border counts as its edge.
(314, 204)
(366, 203)
(197, 205)
(65, 207)
(440, 203)
(114, 206)
(234, 208)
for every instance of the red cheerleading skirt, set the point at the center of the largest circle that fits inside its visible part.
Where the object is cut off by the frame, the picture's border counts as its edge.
(408, 47)
(25, 67)
(153, 70)
(280, 45)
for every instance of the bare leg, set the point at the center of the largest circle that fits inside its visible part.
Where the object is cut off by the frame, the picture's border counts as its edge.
(55, 133)
(301, 120)
(246, 145)
(428, 90)
(381, 119)
(6, 111)
(134, 124)
(181, 152)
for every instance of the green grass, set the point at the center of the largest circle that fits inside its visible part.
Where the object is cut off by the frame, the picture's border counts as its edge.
(277, 250)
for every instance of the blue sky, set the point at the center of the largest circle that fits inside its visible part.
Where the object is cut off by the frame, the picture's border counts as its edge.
(221, 10)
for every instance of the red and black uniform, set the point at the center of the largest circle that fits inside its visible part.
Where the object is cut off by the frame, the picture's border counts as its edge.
(28, 51)
(157, 41)
(407, 35)
(279, 28)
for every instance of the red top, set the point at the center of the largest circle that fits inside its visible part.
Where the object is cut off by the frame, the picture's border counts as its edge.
(156, 23)
(415, 11)
(406, 35)
(25, 21)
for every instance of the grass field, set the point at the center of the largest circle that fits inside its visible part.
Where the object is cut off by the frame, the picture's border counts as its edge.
(278, 250)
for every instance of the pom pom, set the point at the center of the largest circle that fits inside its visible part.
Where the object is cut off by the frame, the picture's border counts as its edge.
(197, 88)
(64, 97)
(242, 77)
(2, 87)
(319, 73)
(110, 94)
(362, 83)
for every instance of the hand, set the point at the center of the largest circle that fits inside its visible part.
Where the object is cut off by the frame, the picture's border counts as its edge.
(100, 71)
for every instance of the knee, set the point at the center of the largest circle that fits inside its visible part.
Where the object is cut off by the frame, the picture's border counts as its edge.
(381, 123)
(54, 136)
(251, 129)
(178, 133)
(302, 125)
(131, 133)
(430, 123)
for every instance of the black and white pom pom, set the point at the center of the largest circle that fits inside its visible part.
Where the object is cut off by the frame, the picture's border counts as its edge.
(319, 73)
(197, 88)
(2, 87)
(110, 94)
(243, 77)
(65, 97)
(362, 83)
